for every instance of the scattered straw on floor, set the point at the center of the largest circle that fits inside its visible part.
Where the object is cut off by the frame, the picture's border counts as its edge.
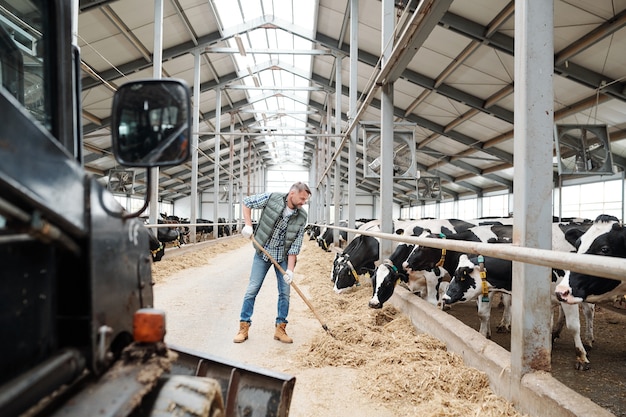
(410, 373)
(167, 266)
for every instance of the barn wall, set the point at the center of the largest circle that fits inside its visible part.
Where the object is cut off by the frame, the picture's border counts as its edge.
(182, 208)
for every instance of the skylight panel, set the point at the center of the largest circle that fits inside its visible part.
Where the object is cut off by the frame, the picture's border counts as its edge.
(229, 12)
(295, 69)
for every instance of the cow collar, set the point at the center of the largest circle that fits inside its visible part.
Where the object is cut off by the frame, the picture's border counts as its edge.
(354, 274)
(483, 279)
(154, 252)
(390, 265)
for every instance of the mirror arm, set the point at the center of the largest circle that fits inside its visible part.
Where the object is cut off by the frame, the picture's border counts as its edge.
(146, 199)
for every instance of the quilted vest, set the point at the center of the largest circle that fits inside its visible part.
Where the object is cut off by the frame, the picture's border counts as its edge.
(271, 213)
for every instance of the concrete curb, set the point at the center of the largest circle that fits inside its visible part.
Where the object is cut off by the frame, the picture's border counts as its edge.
(537, 394)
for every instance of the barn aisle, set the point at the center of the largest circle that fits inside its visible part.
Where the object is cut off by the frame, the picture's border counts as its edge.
(203, 304)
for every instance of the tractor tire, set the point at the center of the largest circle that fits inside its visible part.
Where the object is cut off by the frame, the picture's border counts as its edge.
(189, 396)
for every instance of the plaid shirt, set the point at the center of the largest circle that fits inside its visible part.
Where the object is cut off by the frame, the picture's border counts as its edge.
(275, 245)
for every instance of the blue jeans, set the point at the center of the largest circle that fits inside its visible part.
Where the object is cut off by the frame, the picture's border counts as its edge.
(257, 275)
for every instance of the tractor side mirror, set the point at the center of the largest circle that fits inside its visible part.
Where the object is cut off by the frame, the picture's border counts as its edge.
(151, 123)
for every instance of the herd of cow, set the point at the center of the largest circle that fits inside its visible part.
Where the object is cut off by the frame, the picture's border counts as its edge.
(444, 277)
(178, 233)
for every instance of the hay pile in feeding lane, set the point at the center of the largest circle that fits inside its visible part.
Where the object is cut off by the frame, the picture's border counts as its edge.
(410, 373)
(168, 266)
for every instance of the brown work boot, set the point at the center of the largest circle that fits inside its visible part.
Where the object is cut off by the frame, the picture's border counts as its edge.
(281, 334)
(242, 336)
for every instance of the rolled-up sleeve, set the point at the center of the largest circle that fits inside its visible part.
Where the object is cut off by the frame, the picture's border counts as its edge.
(256, 201)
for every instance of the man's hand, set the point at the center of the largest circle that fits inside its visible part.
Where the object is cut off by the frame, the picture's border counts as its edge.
(288, 276)
(247, 231)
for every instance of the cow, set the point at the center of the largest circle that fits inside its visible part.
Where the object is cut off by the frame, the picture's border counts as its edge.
(480, 277)
(313, 230)
(357, 258)
(204, 231)
(325, 239)
(471, 280)
(388, 274)
(424, 258)
(222, 228)
(175, 234)
(157, 249)
(606, 237)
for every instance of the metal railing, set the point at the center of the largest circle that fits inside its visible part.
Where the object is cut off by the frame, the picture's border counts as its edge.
(597, 265)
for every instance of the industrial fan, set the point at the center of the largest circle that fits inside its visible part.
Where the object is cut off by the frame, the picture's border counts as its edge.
(404, 162)
(583, 150)
(121, 181)
(429, 188)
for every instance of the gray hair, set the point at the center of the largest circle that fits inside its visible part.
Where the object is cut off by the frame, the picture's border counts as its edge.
(300, 186)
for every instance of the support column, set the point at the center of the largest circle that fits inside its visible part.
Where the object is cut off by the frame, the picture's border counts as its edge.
(157, 66)
(354, 64)
(386, 133)
(216, 158)
(231, 176)
(337, 141)
(241, 153)
(195, 139)
(533, 144)
(328, 150)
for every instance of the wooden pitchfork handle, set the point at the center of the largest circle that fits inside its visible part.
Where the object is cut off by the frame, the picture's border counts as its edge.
(293, 284)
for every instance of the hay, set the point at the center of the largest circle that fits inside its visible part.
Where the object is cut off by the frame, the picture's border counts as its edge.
(168, 266)
(412, 374)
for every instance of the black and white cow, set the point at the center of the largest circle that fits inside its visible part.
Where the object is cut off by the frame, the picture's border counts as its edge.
(469, 283)
(606, 237)
(326, 237)
(157, 249)
(357, 258)
(479, 278)
(313, 230)
(388, 274)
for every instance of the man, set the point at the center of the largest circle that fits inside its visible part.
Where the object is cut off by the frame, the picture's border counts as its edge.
(280, 231)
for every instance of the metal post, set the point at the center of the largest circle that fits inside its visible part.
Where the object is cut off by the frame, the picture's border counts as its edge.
(157, 67)
(337, 140)
(241, 153)
(194, 145)
(386, 132)
(328, 143)
(353, 92)
(534, 118)
(231, 176)
(216, 157)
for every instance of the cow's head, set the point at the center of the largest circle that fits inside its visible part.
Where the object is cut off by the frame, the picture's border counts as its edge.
(577, 287)
(423, 258)
(346, 275)
(606, 237)
(337, 262)
(384, 281)
(387, 275)
(463, 286)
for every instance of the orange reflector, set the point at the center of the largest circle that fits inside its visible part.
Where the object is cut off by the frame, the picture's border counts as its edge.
(149, 325)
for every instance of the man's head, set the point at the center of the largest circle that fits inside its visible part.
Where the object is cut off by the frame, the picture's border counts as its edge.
(299, 194)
